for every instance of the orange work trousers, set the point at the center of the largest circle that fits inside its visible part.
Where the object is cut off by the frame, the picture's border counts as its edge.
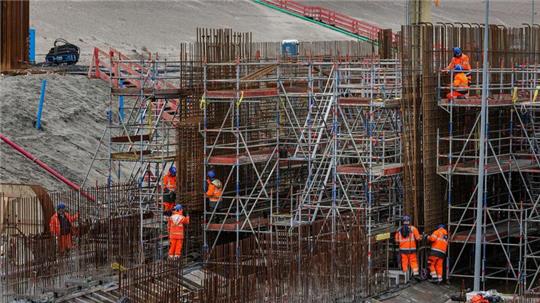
(436, 265)
(168, 206)
(409, 260)
(64, 243)
(175, 249)
(455, 94)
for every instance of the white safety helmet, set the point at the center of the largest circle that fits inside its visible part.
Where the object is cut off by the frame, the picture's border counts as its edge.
(217, 183)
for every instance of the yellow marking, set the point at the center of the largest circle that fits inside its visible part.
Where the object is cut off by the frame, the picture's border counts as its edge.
(381, 237)
(241, 98)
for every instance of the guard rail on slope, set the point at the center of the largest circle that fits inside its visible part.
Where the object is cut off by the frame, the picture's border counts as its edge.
(114, 63)
(329, 17)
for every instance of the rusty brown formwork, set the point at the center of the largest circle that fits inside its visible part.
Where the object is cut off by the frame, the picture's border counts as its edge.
(14, 31)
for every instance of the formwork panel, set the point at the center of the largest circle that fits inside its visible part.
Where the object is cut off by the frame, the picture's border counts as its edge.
(14, 31)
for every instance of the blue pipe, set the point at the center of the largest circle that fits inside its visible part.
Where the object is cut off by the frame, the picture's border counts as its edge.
(32, 46)
(121, 114)
(41, 101)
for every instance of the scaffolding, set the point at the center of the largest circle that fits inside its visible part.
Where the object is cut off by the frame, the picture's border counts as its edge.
(369, 165)
(248, 147)
(512, 167)
(146, 97)
(304, 144)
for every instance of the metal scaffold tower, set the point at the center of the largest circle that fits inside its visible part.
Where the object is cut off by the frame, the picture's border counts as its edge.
(304, 143)
(510, 214)
(356, 160)
(140, 138)
(253, 140)
(358, 140)
(369, 156)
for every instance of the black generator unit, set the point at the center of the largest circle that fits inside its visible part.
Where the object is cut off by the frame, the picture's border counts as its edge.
(63, 52)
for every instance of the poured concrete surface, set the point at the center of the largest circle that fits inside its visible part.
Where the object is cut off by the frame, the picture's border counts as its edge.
(161, 25)
(424, 292)
(391, 14)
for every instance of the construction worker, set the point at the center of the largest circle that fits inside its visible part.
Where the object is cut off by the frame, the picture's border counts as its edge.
(406, 237)
(61, 227)
(439, 245)
(175, 226)
(459, 59)
(460, 86)
(169, 189)
(214, 189)
(479, 298)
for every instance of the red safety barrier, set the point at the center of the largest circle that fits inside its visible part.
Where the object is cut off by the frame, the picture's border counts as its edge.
(330, 17)
(48, 169)
(104, 64)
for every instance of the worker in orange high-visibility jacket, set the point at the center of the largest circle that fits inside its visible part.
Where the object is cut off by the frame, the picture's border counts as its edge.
(61, 227)
(460, 85)
(439, 246)
(478, 298)
(175, 226)
(214, 189)
(459, 59)
(169, 190)
(406, 237)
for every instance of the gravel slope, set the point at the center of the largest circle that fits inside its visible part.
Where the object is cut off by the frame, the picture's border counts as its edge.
(73, 120)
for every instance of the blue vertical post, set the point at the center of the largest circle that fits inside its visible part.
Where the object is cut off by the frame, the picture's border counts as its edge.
(121, 103)
(41, 101)
(32, 46)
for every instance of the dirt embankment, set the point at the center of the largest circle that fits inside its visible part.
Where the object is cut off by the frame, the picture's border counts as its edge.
(73, 121)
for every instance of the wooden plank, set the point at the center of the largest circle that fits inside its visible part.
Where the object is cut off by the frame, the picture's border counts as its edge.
(132, 138)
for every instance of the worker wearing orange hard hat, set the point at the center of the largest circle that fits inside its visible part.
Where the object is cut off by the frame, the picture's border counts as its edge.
(439, 245)
(61, 227)
(406, 237)
(175, 226)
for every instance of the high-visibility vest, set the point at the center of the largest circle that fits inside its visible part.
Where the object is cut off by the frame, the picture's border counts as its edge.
(479, 299)
(54, 224)
(213, 193)
(463, 61)
(169, 182)
(175, 225)
(439, 242)
(461, 82)
(407, 244)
